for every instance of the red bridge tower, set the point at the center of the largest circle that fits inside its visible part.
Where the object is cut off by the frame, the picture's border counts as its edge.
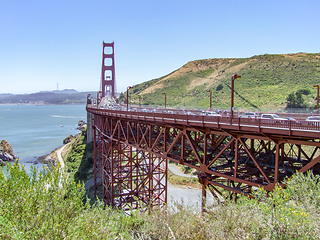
(108, 76)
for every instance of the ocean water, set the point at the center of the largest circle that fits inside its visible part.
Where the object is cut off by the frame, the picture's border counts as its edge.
(34, 131)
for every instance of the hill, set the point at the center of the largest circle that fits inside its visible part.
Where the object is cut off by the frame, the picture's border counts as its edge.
(67, 96)
(266, 81)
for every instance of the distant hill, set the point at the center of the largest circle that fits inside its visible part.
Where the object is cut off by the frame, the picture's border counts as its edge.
(67, 96)
(65, 91)
(266, 80)
(4, 95)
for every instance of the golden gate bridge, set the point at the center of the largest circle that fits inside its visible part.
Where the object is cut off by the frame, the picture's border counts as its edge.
(132, 149)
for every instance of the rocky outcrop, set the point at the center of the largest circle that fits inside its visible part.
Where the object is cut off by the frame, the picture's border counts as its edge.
(68, 139)
(6, 152)
(81, 125)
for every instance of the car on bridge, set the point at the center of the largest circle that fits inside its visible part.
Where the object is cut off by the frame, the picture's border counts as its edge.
(249, 115)
(171, 112)
(272, 116)
(313, 119)
(291, 119)
(210, 113)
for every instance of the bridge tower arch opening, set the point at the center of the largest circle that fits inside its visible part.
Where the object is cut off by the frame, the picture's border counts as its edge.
(108, 76)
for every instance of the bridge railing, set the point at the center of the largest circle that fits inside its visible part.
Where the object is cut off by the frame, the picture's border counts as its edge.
(212, 121)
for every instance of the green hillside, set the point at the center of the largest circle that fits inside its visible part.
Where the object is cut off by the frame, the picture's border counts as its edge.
(266, 81)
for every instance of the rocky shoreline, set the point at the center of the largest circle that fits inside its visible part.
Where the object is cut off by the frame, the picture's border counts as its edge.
(52, 158)
(49, 159)
(6, 153)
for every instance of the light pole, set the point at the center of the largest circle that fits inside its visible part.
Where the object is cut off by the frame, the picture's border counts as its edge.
(234, 76)
(165, 100)
(139, 101)
(99, 97)
(128, 96)
(88, 99)
(210, 99)
(317, 86)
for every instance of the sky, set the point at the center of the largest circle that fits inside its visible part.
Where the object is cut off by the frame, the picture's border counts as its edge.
(50, 44)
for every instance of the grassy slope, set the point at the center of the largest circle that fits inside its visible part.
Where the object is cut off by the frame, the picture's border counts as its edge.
(79, 160)
(266, 82)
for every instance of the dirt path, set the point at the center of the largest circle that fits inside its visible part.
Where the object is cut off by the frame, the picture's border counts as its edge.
(173, 168)
(59, 154)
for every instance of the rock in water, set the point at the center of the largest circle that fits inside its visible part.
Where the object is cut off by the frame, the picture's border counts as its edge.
(6, 151)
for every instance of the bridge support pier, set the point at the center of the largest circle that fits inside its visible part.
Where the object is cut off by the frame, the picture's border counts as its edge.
(89, 127)
(131, 177)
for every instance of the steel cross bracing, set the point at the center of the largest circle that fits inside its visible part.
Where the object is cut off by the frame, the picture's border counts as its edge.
(134, 149)
(130, 177)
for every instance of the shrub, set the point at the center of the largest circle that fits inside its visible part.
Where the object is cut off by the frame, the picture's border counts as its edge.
(39, 205)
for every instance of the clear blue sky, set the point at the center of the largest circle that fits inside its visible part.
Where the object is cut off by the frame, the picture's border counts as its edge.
(45, 42)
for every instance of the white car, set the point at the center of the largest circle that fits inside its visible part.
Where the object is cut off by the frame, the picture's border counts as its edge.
(273, 116)
(313, 119)
(211, 113)
(249, 115)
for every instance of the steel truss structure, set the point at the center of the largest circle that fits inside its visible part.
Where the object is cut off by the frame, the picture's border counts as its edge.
(130, 177)
(133, 154)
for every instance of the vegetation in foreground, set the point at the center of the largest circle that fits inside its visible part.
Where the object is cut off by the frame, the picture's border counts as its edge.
(43, 205)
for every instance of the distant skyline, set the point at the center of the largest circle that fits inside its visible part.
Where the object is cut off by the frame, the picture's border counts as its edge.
(43, 43)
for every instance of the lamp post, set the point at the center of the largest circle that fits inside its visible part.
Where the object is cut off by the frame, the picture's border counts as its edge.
(165, 100)
(317, 86)
(99, 97)
(128, 96)
(210, 99)
(234, 76)
(88, 99)
(139, 101)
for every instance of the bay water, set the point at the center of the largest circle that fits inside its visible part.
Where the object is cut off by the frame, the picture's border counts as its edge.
(36, 130)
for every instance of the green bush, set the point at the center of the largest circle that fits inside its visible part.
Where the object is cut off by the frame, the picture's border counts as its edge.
(287, 213)
(79, 162)
(42, 205)
(296, 100)
(39, 205)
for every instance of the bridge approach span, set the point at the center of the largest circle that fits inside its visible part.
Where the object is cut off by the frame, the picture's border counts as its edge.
(239, 155)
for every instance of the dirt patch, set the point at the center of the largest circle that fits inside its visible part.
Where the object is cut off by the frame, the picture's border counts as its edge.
(151, 89)
(192, 67)
(221, 66)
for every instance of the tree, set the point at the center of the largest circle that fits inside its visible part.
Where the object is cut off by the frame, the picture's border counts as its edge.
(296, 100)
(122, 98)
